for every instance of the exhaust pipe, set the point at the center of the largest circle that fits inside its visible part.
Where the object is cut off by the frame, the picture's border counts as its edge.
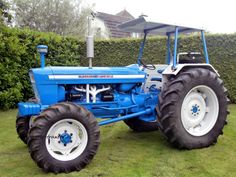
(90, 40)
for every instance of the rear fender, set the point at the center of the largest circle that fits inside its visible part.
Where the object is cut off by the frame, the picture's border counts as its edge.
(169, 71)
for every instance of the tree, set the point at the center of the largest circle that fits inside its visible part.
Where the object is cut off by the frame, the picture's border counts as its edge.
(5, 16)
(64, 17)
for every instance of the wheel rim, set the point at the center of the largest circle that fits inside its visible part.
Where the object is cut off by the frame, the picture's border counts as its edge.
(66, 139)
(199, 111)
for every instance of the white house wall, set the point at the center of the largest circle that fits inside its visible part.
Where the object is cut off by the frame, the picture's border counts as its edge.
(99, 29)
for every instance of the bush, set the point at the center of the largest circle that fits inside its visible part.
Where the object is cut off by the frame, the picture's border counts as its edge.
(18, 54)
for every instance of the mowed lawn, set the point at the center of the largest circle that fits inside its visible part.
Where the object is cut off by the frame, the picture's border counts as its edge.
(123, 153)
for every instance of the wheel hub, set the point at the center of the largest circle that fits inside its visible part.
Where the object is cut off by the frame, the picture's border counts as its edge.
(195, 109)
(66, 138)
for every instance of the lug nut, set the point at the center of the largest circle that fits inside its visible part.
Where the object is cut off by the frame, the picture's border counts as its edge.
(59, 142)
(64, 144)
(71, 134)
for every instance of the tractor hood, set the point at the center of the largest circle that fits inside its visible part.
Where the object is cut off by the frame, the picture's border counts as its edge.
(84, 75)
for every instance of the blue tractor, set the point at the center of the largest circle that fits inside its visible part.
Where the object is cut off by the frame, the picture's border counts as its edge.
(184, 98)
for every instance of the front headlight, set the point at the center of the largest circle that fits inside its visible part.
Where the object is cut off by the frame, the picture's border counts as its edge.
(32, 80)
(32, 77)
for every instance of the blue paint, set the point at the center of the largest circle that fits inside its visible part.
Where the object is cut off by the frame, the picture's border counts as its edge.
(123, 104)
(85, 75)
(105, 122)
(51, 90)
(42, 49)
(195, 109)
(168, 49)
(28, 108)
(141, 49)
(175, 47)
(205, 47)
(42, 59)
(125, 87)
(65, 138)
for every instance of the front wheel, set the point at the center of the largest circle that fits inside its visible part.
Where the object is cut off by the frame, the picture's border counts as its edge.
(193, 108)
(22, 128)
(64, 138)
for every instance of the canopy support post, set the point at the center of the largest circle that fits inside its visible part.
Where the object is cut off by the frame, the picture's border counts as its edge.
(140, 55)
(168, 49)
(175, 48)
(205, 47)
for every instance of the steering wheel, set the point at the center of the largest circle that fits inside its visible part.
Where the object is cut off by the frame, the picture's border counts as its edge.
(149, 66)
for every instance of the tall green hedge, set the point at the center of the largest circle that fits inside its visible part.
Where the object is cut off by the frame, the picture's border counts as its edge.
(18, 54)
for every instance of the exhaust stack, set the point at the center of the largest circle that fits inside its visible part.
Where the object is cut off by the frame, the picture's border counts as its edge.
(90, 40)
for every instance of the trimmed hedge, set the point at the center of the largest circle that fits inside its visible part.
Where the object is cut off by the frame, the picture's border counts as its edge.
(18, 54)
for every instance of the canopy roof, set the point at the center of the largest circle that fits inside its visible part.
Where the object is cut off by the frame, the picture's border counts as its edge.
(143, 24)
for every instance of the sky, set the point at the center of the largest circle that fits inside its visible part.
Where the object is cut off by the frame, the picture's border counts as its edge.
(215, 16)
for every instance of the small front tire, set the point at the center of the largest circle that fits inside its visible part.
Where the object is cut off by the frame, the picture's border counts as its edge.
(64, 138)
(22, 128)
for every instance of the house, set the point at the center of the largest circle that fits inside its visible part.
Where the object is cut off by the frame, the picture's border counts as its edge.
(105, 25)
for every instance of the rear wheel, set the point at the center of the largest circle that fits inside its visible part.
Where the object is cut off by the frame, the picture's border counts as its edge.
(64, 138)
(140, 125)
(193, 108)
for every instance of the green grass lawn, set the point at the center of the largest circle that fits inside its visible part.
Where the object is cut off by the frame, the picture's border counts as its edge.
(125, 153)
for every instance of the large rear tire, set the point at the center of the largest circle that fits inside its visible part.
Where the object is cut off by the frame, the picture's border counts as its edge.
(192, 108)
(64, 138)
(138, 125)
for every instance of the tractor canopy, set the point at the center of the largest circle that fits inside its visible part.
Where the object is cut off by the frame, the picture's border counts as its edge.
(146, 26)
